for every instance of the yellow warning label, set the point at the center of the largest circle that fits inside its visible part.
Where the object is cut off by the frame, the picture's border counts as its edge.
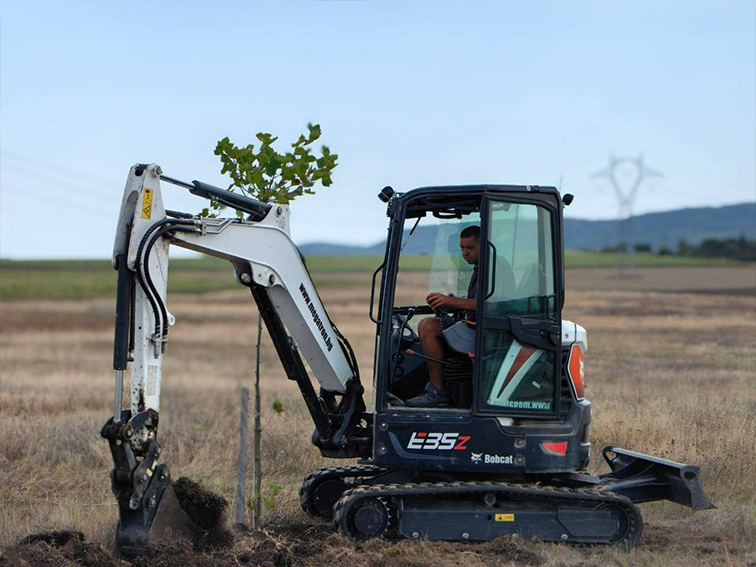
(504, 517)
(147, 204)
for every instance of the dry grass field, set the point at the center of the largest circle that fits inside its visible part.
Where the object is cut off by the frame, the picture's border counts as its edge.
(670, 373)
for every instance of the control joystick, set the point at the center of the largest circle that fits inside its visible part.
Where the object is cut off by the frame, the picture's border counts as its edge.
(446, 319)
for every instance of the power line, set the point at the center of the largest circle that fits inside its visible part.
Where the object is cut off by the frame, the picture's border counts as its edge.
(68, 204)
(56, 168)
(54, 180)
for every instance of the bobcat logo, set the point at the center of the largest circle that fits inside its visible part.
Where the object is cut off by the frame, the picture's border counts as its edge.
(475, 457)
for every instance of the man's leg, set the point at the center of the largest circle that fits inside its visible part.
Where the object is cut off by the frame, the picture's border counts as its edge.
(430, 337)
(433, 395)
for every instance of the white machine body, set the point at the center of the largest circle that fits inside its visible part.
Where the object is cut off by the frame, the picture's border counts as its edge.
(572, 333)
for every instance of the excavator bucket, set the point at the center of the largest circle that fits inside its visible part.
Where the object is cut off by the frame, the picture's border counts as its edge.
(164, 523)
(643, 478)
(152, 508)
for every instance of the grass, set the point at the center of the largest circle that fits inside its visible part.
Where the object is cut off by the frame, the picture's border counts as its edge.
(81, 279)
(588, 259)
(668, 375)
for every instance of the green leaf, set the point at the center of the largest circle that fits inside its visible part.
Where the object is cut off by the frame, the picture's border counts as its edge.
(277, 406)
(269, 176)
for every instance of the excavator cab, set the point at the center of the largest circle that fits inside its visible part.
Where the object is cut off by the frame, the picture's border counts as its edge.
(507, 456)
(514, 277)
(503, 363)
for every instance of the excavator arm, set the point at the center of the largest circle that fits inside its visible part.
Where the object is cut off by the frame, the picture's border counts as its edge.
(265, 259)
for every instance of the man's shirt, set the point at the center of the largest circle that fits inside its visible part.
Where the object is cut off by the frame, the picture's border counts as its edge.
(472, 293)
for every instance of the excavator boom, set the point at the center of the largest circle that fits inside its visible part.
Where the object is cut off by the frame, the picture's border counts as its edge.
(263, 258)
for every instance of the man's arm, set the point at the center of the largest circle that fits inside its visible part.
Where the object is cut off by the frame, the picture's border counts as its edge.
(436, 300)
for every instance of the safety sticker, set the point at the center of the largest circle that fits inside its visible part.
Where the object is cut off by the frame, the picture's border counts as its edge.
(504, 517)
(147, 204)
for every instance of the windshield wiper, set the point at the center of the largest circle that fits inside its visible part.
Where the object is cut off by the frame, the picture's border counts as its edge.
(417, 222)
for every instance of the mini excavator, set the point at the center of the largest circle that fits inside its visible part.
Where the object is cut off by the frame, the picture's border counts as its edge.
(508, 456)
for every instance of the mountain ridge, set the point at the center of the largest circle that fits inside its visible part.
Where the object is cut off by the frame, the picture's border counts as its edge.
(658, 229)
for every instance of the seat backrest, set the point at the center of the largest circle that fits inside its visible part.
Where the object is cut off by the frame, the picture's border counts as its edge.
(528, 282)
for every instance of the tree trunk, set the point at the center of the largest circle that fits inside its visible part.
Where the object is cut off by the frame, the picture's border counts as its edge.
(257, 460)
(241, 475)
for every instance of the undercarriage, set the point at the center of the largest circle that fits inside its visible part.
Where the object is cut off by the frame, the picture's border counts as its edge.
(368, 501)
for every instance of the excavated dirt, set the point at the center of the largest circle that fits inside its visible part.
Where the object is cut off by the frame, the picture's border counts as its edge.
(281, 546)
(56, 539)
(58, 549)
(204, 508)
(273, 548)
(309, 545)
(207, 510)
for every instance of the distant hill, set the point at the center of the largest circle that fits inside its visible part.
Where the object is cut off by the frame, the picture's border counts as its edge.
(657, 229)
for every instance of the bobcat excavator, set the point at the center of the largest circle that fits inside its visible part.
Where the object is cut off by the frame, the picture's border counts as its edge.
(507, 457)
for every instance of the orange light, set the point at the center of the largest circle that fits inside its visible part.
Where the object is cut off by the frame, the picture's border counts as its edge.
(576, 370)
(554, 448)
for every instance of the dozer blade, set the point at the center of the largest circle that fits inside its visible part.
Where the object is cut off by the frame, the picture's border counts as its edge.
(643, 478)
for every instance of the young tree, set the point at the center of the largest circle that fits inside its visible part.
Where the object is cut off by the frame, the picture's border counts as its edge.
(272, 177)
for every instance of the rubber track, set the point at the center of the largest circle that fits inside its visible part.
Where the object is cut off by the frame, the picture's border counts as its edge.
(538, 493)
(312, 480)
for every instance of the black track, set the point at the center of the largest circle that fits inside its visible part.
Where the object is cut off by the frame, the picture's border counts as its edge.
(391, 494)
(313, 480)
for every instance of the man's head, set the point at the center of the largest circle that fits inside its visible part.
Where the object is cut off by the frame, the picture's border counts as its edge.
(469, 242)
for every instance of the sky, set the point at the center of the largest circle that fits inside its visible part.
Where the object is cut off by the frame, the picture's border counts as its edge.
(408, 94)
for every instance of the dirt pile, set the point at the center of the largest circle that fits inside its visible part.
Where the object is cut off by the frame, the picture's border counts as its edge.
(299, 545)
(284, 547)
(58, 549)
(207, 510)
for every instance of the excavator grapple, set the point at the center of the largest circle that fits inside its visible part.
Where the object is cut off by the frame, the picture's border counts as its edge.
(498, 445)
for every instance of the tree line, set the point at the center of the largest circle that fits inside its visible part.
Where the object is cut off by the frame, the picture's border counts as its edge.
(732, 248)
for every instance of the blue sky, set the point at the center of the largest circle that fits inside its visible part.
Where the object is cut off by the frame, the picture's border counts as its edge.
(408, 94)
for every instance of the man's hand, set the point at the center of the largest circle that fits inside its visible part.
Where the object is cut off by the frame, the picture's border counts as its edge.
(436, 300)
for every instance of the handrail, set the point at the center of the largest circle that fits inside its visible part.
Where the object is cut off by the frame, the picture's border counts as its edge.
(372, 294)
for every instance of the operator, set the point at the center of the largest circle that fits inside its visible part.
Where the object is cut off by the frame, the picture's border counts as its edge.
(430, 329)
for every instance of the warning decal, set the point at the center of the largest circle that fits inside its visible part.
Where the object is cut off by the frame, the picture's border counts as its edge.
(504, 517)
(147, 204)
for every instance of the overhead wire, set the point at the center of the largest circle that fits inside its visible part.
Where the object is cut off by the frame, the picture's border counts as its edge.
(59, 201)
(54, 179)
(54, 167)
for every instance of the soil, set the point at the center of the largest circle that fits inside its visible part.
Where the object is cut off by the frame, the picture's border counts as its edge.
(207, 510)
(55, 549)
(315, 545)
(281, 546)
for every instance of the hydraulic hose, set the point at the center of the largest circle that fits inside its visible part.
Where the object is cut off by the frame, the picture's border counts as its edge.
(161, 330)
(348, 352)
(140, 262)
(138, 265)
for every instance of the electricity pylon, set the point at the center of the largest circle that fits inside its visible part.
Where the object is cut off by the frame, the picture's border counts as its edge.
(626, 175)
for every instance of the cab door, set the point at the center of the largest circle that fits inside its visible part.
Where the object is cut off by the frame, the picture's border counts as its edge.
(519, 306)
